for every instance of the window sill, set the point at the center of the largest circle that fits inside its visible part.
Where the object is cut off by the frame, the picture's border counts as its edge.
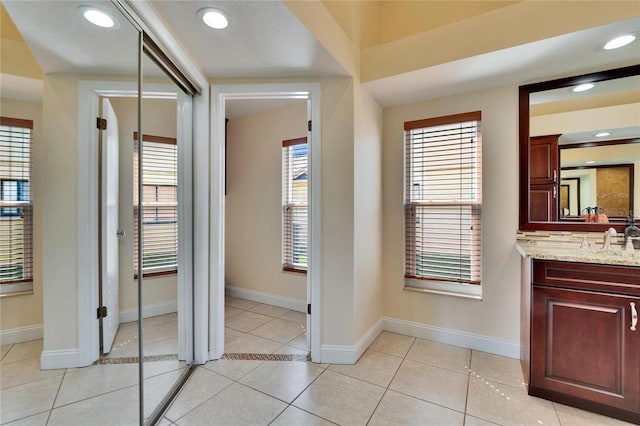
(467, 291)
(294, 270)
(16, 289)
(156, 274)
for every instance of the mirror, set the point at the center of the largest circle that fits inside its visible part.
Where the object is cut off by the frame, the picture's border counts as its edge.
(580, 152)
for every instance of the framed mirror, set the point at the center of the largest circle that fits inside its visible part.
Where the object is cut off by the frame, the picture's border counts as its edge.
(580, 152)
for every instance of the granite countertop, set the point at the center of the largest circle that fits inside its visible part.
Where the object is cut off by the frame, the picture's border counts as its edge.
(571, 252)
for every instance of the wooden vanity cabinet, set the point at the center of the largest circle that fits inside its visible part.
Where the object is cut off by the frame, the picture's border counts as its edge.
(583, 351)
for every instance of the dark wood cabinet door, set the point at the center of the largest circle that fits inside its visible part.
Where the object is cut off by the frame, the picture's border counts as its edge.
(584, 348)
(544, 165)
(543, 203)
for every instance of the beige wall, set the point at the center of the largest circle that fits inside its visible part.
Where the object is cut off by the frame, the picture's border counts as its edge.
(59, 201)
(26, 310)
(498, 314)
(253, 246)
(367, 275)
(337, 212)
(159, 119)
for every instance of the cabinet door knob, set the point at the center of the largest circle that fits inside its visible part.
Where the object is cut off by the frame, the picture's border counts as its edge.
(634, 316)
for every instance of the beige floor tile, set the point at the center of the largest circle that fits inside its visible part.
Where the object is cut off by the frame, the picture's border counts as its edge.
(232, 369)
(269, 310)
(158, 319)
(230, 311)
(235, 302)
(474, 421)
(570, 416)
(28, 399)
(161, 347)
(3, 350)
(247, 321)
(154, 368)
(497, 368)
(399, 409)
(299, 342)
(160, 331)
(340, 399)
(509, 405)
(230, 334)
(21, 372)
(251, 344)
(293, 416)
(295, 316)
(279, 330)
(290, 350)
(156, 388)
(37, 420)
(392, 344)
(284, 380)
(115, 408)
(25, 350)
(432, 384)
(202, 385)
(235, 405)
(164, 422)
(87, 382)
(440, 355)
(373, 367)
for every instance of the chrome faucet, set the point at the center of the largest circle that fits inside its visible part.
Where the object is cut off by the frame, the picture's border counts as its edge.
(611, 232)
(631, 234)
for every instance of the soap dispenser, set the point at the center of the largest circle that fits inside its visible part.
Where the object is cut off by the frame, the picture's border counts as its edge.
(632, 232)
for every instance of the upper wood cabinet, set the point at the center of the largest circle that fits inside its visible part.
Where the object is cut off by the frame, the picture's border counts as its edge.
(544, 175)
(544, 165)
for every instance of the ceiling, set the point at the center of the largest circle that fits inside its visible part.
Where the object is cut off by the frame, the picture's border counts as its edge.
(265, 40)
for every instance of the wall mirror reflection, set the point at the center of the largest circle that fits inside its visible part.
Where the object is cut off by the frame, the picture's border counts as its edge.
(582, 150)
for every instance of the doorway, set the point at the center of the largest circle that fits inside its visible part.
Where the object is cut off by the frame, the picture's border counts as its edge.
(309, 93)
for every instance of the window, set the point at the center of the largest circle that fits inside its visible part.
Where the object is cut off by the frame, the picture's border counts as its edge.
(443, 203)
(159, 204)
(295, 183)
(16, 206)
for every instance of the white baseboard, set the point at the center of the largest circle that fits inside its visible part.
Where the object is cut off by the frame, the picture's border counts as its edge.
(51, 360)
(463, 339)
(21, 334)
(129, 315)
(345, 354)
(269, 299)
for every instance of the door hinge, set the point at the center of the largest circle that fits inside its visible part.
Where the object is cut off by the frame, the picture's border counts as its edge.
(102, 312)
(309, 309)
(101, 123)
(309, 125)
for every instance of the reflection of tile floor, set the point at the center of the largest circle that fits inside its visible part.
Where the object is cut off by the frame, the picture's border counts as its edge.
(399, 380)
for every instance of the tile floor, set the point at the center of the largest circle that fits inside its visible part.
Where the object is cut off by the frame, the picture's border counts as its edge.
(399, 380)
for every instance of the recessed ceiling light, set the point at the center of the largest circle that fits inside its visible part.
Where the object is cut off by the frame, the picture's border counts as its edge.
(213, 18)
(602, 134)
(619, 42)
(583, 87)
(590, 162)
(97, 17)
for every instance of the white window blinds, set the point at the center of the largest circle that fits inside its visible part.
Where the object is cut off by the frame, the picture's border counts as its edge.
(159, 204)
(16, 205)
(295, 226)
(443, 199)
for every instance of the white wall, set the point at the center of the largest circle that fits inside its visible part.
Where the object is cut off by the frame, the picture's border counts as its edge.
(497, 315)
(253, 203)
